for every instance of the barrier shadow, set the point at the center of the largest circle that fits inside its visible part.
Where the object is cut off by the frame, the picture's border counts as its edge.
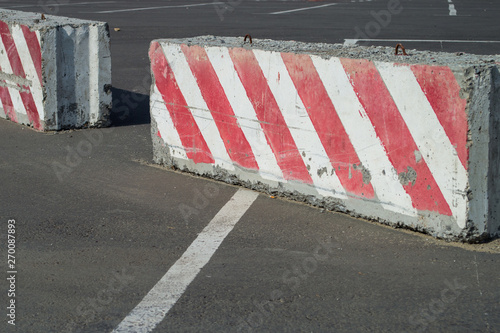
(129, 108)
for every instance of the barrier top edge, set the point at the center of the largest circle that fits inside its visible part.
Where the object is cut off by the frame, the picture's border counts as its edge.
(373, 53)
(35, 21)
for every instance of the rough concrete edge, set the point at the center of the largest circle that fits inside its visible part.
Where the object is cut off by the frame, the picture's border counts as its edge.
(35, 22)
(49, 39)
(494, 157)
(438, 230)
(475, 89)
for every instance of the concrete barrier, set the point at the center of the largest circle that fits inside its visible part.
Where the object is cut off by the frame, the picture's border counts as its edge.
(55, 72)
(410, 141)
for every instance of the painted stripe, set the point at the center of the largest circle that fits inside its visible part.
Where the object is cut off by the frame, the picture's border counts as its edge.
(33, 42)
(443, 93)
(196, 104)
(371, 152)
(394, 134)
(233, 138)
(160, 7)
(297, 120)
(245, 113)
(429, 135)
(94, 67)
(7, 105)
(166, 126)
(189, 133)
(156, 304)
(29, 67)
(327, 124)
(269, 114)
(301, 9)
(18, 70)
(12, 87)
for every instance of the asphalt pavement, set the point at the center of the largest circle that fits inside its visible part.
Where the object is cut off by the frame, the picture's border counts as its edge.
(98, 225)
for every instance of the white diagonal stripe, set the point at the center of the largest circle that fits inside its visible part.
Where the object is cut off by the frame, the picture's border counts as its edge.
(157, 303)
(370, 150)
(196, 104)
(15, 95)
(431, 139)
(166, 126)
(245, 113)
(29, 68)
(300, 125)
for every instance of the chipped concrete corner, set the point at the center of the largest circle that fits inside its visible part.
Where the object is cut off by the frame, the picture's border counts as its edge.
(409, 144)
(55, 71)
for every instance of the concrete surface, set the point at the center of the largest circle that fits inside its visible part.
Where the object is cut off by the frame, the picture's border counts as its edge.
(92, 245)
(353, 129)
(56, 70)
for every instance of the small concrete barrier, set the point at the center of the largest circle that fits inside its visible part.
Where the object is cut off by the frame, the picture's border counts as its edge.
(409, 141)
(55, 72)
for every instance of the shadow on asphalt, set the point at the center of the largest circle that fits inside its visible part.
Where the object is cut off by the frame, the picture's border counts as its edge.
(129, 108)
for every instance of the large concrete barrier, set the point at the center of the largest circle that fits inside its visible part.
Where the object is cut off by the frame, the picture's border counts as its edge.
(410, 141)
(55, 72)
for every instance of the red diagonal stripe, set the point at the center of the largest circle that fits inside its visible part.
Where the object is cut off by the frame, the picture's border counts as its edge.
(17, 68)
(233, 137)
(189, 133)
(394, 134)
(277, 133)
(443, 93)
(35, 50)
(327, 123)
(8, 107)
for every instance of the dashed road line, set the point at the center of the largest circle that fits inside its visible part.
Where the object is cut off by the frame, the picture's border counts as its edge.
(301, 9)
(451, 7)
(156, 304)
(160, 7)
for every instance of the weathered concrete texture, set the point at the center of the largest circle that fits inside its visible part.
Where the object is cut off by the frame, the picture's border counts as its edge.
(410, 144)
(55, 71)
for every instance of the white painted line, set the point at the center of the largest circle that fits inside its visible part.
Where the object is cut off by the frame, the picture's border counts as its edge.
(351, 42)
(197, 106)
(160, 7)
(361, 132)
(245, 113)
(62, 4)
(301, 9)
(428, 133)
(156, 304)
(453, 11)
(300, 125)
(451, 7)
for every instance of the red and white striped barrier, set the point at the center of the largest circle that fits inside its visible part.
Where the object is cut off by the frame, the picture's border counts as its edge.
(55, 73)
(384, 140)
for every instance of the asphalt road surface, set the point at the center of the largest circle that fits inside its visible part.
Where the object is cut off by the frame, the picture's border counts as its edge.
(94, 241)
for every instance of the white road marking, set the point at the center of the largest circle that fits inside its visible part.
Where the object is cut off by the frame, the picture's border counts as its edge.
(451, 7)
(156, 304)
(351, 42)
(431, 139)
(301, 9)
(160, 7)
